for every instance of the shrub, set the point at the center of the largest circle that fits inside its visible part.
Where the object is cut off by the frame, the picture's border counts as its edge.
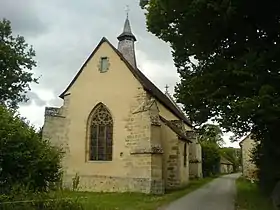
(25, 159)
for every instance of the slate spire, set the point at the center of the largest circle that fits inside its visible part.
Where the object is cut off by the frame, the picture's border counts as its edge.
(127, 33)
(126, 43)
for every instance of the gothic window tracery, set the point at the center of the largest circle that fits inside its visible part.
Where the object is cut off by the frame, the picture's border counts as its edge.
(101, 134)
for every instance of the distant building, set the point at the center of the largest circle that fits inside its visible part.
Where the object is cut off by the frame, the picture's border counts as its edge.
(226, 167)
(248, 167)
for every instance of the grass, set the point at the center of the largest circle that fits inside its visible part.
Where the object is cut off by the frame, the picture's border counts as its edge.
(250, 198)
(132, 201)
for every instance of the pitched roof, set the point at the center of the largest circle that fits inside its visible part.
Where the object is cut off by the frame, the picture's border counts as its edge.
(146, 83)
(225, 161)
(127, 33)
(245, 138)
(173, 101)
(175, 129)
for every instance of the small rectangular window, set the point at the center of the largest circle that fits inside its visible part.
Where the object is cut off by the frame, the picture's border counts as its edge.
(104, 64)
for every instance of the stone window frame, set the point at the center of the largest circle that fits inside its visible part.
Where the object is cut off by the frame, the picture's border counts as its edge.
(100, 65)
(100, 117)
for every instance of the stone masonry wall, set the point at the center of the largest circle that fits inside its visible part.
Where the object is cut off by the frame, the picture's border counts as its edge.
(173, 176)
(55, 128)
(249, 168)
(95, 183)
(195, 157)
(144, 159)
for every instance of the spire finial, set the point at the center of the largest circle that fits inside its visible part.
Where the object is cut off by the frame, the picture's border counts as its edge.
(127, 9)
(166, 88)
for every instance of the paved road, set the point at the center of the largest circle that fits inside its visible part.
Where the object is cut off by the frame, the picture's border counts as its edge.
(217, 195)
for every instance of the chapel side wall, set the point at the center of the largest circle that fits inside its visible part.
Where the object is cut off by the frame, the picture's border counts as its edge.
(199, 157)
(195, 151)
(172, 140)
(249, 167)
(195, 159)
(158, 184)
(171, 168)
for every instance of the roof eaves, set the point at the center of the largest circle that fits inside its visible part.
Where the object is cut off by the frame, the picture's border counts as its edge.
(246, 137)
(175, 129)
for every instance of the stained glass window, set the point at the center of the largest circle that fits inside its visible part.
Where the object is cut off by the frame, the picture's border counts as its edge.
(101, 134)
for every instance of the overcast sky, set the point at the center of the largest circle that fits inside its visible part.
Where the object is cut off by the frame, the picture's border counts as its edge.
(65, 32)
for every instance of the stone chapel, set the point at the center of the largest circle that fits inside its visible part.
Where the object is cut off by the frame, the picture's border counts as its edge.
(118, 130)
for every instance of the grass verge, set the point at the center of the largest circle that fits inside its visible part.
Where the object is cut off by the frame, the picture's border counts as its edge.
(132, 201)
(249, 197)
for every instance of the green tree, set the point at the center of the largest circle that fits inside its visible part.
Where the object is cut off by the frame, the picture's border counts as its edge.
(210, 138)
(235, 79)
(16, 59)
(25, 159)
(211, 133)
(210, 158)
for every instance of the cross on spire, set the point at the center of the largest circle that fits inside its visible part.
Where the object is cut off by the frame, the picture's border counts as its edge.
(127, 9)
(166, 88)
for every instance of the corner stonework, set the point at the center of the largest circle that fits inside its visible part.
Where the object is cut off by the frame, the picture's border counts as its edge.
(55, 129)
(143, 141)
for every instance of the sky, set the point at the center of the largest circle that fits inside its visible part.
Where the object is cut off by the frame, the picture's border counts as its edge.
(65, 32)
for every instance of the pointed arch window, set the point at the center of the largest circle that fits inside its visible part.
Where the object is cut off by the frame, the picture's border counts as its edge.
(101, 134)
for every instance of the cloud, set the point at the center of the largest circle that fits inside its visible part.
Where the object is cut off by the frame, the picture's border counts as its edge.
(161, 73)
(24, 15)
(33, 97)
(31, 113)
(39, 98)
(65, 32)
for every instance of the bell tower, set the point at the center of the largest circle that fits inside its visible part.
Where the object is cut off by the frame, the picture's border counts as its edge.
(126, 43)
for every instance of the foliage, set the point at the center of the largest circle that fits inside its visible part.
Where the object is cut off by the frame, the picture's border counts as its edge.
(16, 57)
(211, 133)
(235, 78)
(25, 159)
(249, 197)
(23, 200)
(233, 155)
(210, 137)
(75, 182)
(210, 159)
